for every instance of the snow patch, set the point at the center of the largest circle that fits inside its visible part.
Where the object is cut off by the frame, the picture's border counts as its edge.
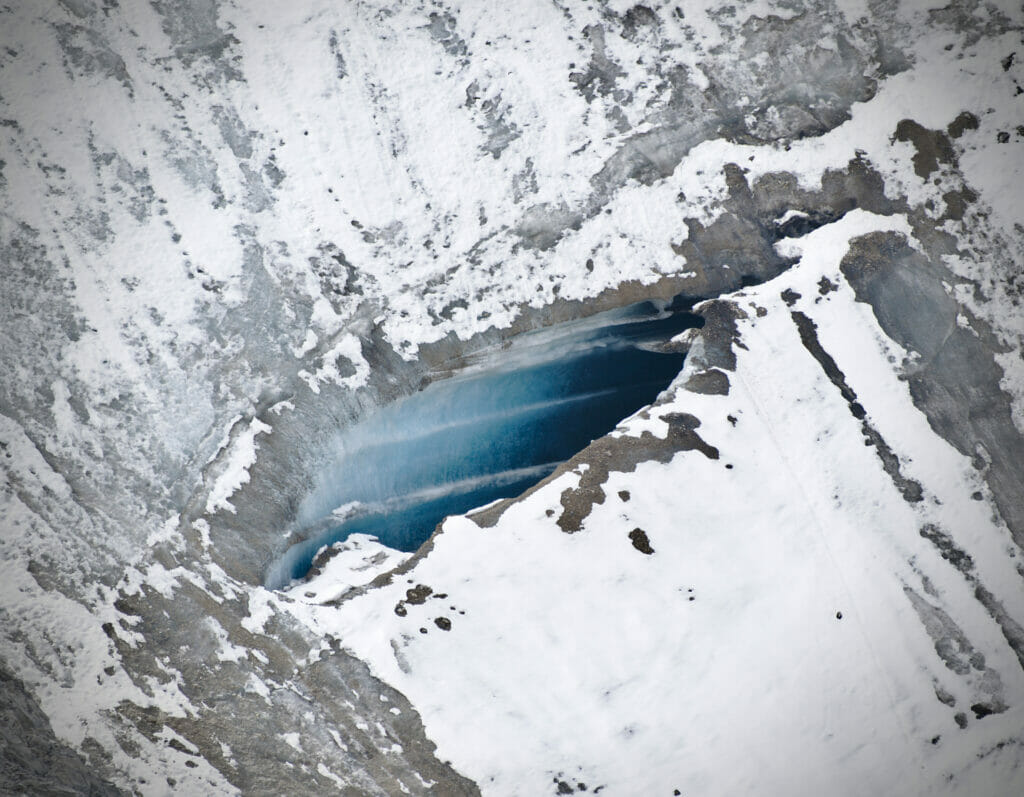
(233, 466)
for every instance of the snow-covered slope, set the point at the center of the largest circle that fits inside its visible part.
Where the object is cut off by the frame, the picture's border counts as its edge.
(765, 613)
(228, 230)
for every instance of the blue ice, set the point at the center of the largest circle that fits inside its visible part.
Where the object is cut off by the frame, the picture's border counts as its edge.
(490, 432)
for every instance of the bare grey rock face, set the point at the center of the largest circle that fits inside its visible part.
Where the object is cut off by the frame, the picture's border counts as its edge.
(32, 759)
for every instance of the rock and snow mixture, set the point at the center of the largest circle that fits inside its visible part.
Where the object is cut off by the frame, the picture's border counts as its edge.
(227, 229)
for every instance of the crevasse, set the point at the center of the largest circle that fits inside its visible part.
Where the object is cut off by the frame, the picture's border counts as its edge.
(499, 426)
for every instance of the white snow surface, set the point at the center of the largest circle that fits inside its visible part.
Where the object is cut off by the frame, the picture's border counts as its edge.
(355, 561)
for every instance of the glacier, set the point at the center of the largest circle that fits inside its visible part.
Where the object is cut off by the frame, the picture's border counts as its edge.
(243, 243)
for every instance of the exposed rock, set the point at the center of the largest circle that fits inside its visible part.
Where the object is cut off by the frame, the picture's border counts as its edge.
(954, 380)
(32, 759)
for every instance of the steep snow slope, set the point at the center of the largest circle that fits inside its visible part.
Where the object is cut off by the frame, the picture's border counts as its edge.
(765, 613)
(230, 229)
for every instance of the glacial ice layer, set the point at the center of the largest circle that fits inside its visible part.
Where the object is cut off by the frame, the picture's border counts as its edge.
(487, 433)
